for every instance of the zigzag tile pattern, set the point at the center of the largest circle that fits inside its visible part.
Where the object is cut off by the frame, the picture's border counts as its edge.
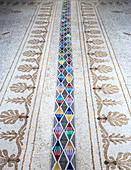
(63, 149)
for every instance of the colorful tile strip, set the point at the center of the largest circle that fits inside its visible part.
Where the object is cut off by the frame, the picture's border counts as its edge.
(63, 149)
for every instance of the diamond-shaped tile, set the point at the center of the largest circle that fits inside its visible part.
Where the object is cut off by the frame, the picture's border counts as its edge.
(68, 36)
(65, 38)
(69, 100)
(64, 106)
(64, 122)
(69, 117)
(64, 93)
(65, 83)
(65, 56)
(65, 50)
(65, 73)
(69, 131)
(69, 78)
(69, 90)
(61, 77)
(61, 51)
(59, 114)
(68, 47)
(68, 42)
(61, 68)
(60, 87)
(61, 60)
(65, 64)
(63, 161)
(69, 60)
(69, 68)
(69, 111)
(57, 150)
(63, 140)
(69, 150)
(58, 131)
(59, 99)
(62, 46)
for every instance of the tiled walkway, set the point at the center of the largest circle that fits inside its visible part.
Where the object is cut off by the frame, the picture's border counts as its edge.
(65, 85)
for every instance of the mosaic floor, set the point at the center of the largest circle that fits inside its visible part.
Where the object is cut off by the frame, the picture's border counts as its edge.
(65, 85)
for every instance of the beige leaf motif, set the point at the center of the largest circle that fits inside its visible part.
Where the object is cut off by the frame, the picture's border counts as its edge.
(44, 9)
(117, 119)
(34, 41)
(37, 32)
(100, 54)
(92, 22)
(29, 60)
(101, 78)
(118, 138)
(18, 100)
(29, 53)
(8, 135)
(25, 68)
(100, 60)
(94, 31)
(109, 89)
(111, 102)
(41, 22)
(3, 158)
(43, 15)
(97, 42)
(24, 77)
(124, 161)
(90, 15)
(19, 87)
(39, 36)
(88, 8)
(104, 69)
(9, 117)
(34, 47)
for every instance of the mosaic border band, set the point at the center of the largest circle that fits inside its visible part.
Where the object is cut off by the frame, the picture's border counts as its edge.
(63, 149)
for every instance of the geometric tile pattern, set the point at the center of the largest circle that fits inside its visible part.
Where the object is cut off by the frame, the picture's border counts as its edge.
(63, 149)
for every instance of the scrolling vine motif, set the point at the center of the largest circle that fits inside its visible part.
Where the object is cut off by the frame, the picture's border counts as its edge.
(24, 87)
(101, 72)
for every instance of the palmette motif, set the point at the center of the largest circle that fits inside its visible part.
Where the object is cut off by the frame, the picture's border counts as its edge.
(102, 72)
(23, 90)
